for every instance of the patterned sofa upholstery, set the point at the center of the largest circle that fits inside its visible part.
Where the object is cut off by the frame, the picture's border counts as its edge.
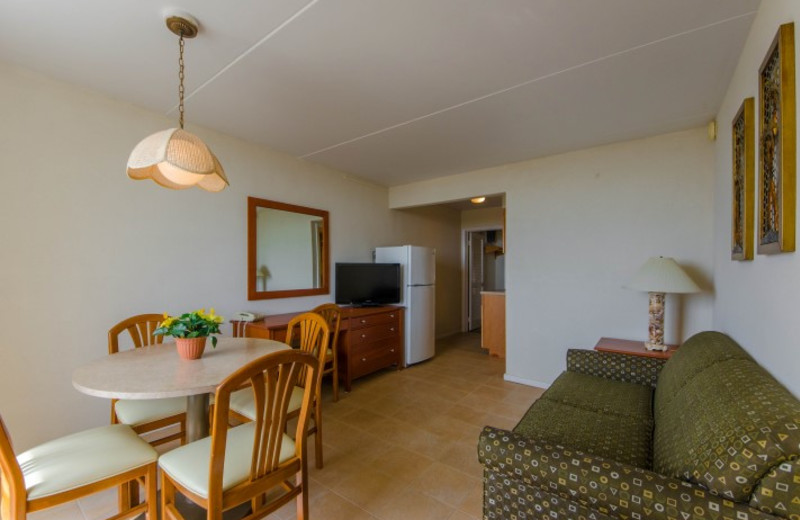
(709, 434)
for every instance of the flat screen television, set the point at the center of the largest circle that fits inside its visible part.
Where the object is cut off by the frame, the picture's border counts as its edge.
(367, 284)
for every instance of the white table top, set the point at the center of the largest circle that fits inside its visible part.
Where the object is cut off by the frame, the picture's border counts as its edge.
(157, 372)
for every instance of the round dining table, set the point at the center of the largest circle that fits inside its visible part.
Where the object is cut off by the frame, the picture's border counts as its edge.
(157, 372)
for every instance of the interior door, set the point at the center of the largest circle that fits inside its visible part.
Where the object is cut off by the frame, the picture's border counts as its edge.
(475, 246)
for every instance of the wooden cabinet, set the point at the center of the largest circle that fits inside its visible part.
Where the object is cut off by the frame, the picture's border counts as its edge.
(493, 323)
(374, 340)
(370, 338)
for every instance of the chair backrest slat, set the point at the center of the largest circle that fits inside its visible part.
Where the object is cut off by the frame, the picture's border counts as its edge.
(332, 313)
(239, 328)
(140, 328)
(314, 334)
(272, 380)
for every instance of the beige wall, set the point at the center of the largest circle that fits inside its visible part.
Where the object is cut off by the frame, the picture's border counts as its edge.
(84, 247)
(482, 218)
(578, 227)
(442, 232)
(756, 302)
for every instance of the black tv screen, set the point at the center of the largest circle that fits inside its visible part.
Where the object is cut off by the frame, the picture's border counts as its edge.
(367, 284)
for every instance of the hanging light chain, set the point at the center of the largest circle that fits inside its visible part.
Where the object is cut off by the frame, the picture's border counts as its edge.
(180, 77)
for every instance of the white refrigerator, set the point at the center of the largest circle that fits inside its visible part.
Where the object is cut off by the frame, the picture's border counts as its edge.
(418, 278)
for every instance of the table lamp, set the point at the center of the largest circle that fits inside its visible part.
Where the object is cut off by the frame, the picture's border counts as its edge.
(660, 275)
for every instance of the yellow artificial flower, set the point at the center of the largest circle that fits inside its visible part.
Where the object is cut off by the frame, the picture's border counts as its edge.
(212, 316)
(167, 322)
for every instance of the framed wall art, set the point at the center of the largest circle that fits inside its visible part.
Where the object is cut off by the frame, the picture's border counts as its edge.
(743, 181)
(777, 146)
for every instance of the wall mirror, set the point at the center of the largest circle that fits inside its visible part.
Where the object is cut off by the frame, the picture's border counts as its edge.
(287, 250)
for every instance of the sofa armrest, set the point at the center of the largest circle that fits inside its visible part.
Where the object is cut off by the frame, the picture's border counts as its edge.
(609, 487)
(619, 367)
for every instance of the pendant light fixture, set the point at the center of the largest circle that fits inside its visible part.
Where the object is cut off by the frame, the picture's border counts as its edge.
(175, 158)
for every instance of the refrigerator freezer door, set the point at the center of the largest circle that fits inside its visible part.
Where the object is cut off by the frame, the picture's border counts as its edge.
(391, 255)
(421, 266)
(420, 327)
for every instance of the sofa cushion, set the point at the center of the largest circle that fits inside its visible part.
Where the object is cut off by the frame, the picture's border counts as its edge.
(618, 437)
(697, 353)
(602, 395)
(726, 427)
(779, 491)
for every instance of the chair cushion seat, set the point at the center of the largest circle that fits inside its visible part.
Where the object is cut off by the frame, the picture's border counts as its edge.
(140, 411)
(83, 458)
(189, 464)
(242, 402)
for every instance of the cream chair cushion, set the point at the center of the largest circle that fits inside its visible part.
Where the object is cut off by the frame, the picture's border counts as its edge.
(140, 411)
(83, 458)
(242, 402)
(189, 464)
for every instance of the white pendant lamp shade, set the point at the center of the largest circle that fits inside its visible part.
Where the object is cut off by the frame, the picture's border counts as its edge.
(176, 159)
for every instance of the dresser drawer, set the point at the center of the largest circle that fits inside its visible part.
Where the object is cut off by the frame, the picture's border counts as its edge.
(373, 360)
(383, 345)
(374, 333)
(374, 319)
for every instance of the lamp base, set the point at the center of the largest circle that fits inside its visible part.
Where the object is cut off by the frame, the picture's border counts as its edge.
(656, 346)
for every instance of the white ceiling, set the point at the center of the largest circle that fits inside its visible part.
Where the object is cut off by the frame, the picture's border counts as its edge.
(492, 201)
(401, 90)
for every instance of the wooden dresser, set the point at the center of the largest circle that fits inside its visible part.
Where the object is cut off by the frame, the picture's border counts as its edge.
(370, 338)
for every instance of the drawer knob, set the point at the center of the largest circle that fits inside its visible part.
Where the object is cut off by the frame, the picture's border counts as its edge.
(363, 321)
(363, 335)
(391, 329)
(391, 350)
(391, 315)
(363, 359)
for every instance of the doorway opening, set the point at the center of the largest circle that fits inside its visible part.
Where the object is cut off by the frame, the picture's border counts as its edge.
(485, 263)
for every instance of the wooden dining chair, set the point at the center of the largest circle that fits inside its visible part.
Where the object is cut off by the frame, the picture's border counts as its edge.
(333, 315)
(146, 415)
(239, 328)
(248, 463)
(75, 466)
(313, 333)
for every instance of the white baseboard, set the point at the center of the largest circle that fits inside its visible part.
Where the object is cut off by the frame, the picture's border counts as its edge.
(523, 381)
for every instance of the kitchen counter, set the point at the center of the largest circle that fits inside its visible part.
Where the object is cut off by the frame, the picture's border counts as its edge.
(493, 322)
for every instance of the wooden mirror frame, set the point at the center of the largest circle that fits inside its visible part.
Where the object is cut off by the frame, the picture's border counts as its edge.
(253, 293)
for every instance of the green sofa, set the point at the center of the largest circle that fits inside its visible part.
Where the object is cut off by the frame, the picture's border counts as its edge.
(708, 434)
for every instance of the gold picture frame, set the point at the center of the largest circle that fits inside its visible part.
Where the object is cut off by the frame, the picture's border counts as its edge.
(743, 130)
(777, 146)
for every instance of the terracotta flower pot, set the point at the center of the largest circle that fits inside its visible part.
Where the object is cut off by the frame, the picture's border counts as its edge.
(190, 348)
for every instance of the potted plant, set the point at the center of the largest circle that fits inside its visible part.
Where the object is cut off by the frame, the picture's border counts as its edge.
(190, 331)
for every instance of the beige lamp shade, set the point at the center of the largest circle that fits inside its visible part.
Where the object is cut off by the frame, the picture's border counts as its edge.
(176, 159)
(661, 274)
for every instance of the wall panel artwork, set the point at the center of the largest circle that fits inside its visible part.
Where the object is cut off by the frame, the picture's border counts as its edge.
(777, 146)
(743, 181)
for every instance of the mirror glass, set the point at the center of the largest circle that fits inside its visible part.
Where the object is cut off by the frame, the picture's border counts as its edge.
(287, 250)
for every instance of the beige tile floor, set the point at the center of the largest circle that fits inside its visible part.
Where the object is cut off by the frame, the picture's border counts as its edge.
(401, 445)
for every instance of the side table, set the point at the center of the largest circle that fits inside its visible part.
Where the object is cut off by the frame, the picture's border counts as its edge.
(633, 348)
